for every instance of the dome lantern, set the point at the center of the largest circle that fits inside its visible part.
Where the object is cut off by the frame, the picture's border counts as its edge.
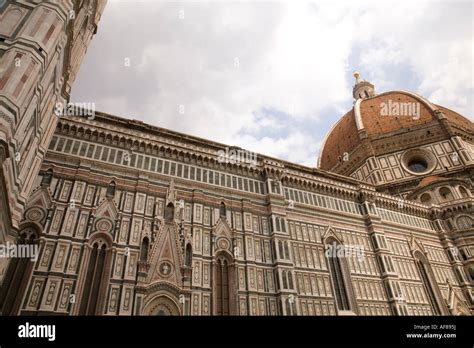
(362, 89)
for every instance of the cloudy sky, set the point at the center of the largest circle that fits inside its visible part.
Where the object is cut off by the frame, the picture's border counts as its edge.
(272, 77)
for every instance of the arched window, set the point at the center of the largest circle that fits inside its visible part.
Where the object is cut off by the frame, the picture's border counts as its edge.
(285, 281)
(223, 286)
(287, 251)
(445, 193)
(277, 222)
(290, 280)
(47, 178)
(293, 308)
(222, 210)
(463, 192)
(17, 275)
(189, 255)
(288, 307)
(283, 227)
(94, 281)
(144, 249)
(169, 212)
(425, 198)
(336, 267)
(428, 281)
(111, 190)
(280, 250)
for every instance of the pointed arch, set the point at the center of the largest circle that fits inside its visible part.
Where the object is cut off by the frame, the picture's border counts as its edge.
(290, 280)
(288, 307)
(287, 250)
(340, 275)
(19, 271)
(429, 283)
(188, 255)
(162, 301)
(111, 190)
(47, 178)
(281, 253)
(283, 225)
(285, 280)
(169, 212)
(96, 275)
(144, 249)
(224, 284)
(222, 210)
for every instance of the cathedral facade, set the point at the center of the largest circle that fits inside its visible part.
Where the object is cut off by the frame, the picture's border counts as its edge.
(133, 219)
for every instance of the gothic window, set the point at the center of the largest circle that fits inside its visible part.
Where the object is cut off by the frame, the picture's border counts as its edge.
(144, 249)
(111, 190)
(94, 280)
(222, 210)
(169, 212)
(424, 270)
(277, 224)
(288, 307)
(189, 255)
(290, 280)
(287, 251)
(338, 278)
(223, 286)
(280, 250)
(47, 178)
(285, 281)
(17, 276)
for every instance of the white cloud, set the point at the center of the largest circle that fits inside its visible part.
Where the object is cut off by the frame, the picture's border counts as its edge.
(224, 62)
(432, 39)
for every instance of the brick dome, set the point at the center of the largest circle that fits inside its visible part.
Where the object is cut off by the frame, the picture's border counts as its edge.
(373, 118)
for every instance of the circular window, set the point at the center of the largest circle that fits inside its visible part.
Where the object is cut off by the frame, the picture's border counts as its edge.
(417, 165)
(223, 243)
(418, 161)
